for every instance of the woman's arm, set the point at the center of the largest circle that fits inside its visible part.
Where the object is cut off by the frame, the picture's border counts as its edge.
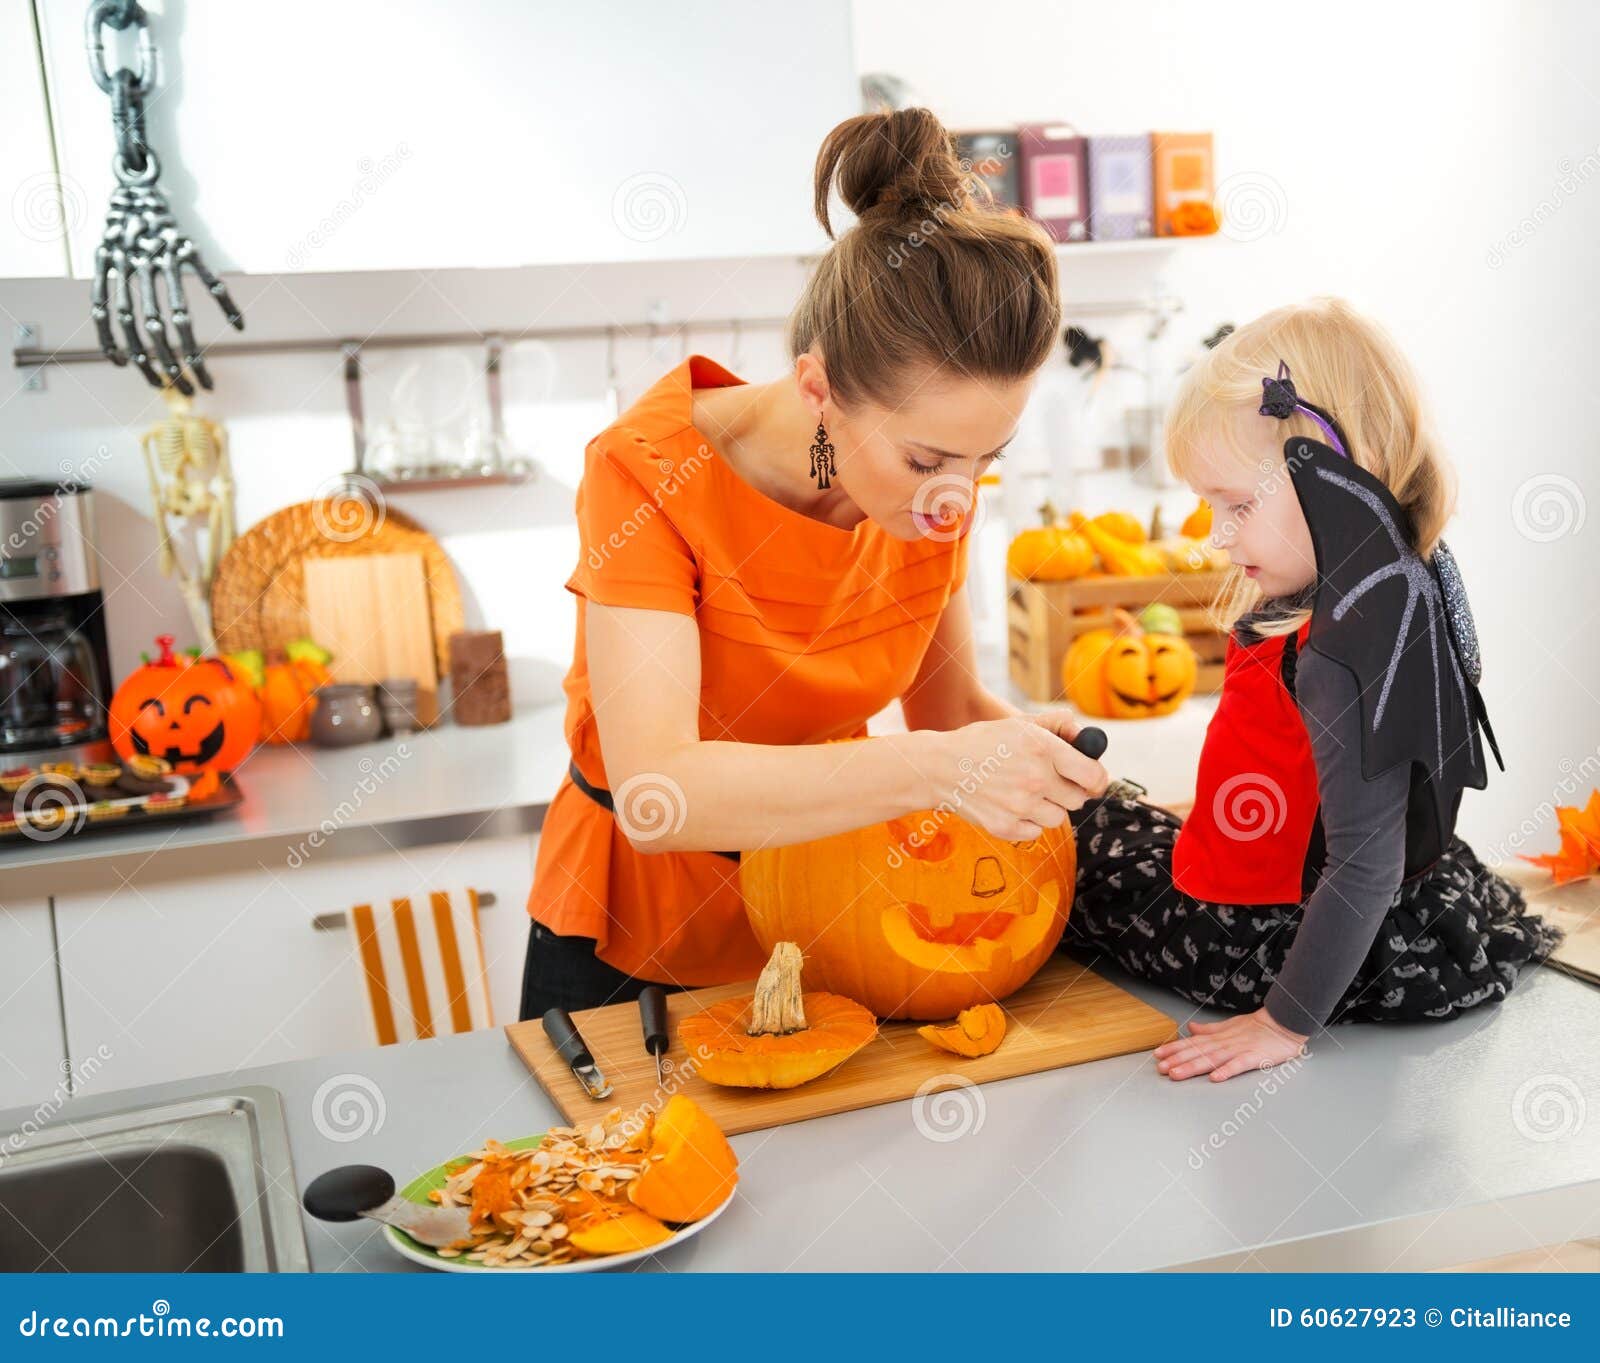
(946, 692)
(675, 792)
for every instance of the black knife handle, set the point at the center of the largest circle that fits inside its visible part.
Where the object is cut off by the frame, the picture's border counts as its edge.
(565, 1037)
(1091, 742)
(345, 1193)
(653, 1018)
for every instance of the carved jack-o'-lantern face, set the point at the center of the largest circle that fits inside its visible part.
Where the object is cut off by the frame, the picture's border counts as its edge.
(196, 713)
(920, 917)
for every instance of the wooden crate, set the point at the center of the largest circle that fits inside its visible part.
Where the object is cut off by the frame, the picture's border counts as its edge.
(1043, 618)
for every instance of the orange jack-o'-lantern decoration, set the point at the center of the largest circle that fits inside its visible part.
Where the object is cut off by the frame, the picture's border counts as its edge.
(1125, 673)
(198, 713)
(917, 918)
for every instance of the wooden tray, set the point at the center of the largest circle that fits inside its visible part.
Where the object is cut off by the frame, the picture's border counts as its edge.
(76, 823)
(1065, 1015)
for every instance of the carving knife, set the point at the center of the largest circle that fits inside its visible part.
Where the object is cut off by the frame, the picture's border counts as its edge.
(568, 1041)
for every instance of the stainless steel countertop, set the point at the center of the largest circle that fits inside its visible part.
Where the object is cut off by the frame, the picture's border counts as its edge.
(1401, 1146)
(449, 784)
(433, 786)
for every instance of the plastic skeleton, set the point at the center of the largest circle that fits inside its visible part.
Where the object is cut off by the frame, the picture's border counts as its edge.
(141, 241)
(191, 481)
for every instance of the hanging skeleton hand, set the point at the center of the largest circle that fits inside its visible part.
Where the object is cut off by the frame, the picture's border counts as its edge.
(141, 241)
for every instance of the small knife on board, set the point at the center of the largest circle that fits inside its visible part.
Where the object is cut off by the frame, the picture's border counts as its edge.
(568, 1041)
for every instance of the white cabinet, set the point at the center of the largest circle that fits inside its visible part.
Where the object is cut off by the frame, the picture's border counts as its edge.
(37, 207)
(32, 1049)
(168, 977)
(488, 133)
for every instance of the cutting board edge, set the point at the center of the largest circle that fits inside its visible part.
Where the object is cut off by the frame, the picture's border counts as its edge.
(1150, 1027)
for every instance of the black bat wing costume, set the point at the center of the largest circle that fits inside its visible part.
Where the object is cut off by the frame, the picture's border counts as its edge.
(1404, 630)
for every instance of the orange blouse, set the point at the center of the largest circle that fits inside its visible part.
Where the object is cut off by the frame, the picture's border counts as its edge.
(806, 631)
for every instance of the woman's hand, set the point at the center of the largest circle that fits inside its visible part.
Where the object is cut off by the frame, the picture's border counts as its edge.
(1012, 777)
(1251, 1041)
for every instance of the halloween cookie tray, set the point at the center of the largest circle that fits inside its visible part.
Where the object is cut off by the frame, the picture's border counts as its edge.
(53, 802)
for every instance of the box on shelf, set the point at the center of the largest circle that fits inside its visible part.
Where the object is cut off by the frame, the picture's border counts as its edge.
(1055, 186)
(1121, 207)
(1043, 618)
(1182, 171)
(992, 156)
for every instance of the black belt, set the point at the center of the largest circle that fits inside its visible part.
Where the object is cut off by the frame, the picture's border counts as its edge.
(604, 800)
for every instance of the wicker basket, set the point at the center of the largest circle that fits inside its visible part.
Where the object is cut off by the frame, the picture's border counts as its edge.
(1043, 618)
(258, 597)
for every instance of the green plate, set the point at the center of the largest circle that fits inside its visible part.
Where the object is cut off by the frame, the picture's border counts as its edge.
(418, 1189)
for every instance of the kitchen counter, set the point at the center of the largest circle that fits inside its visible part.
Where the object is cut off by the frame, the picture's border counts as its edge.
(449, 784)
(1404, 1146)
(444, 784)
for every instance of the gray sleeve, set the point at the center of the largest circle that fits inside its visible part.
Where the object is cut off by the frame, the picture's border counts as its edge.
(1364, 824)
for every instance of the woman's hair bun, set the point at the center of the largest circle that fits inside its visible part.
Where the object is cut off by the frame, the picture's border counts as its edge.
(895, 162)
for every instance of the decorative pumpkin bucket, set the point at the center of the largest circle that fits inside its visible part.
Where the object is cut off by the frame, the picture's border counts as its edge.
(916, 918)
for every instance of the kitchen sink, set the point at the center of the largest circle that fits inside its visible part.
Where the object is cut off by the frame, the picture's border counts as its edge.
(201, 1185)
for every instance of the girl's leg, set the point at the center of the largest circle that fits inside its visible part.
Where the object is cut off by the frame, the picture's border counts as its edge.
(1219, 955)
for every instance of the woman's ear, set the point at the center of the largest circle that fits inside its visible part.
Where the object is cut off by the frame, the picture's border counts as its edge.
(811, 381)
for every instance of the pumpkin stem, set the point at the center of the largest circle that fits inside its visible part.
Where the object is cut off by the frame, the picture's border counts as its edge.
(777, 1008)
(1048, 513)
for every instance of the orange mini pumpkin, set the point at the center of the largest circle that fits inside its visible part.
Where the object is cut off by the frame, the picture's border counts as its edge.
(197, 713)
(1124, 672)
(919, 917)
(1049, 552)
(287, 698)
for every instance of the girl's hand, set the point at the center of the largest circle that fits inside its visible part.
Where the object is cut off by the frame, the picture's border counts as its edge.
(1251, 1041)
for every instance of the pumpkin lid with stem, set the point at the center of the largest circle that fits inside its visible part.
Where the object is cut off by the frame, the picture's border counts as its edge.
(778, 1037)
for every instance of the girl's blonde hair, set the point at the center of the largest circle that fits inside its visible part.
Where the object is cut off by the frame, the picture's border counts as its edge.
(1351, 368)
(933, 275)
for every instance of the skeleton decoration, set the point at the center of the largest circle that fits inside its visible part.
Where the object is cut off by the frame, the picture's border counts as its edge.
(141, 242)
(191, 488)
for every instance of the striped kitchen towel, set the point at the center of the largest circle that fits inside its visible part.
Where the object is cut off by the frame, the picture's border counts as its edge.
(423, 969)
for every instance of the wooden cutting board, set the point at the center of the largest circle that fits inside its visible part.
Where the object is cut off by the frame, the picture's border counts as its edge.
(1573, 907)
(371, 612)
(1065, 1015)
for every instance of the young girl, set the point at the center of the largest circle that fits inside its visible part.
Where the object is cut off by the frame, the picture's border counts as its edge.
(1318, 878)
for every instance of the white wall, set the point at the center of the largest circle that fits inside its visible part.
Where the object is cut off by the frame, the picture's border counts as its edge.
(1385, 152)
(1379, 151)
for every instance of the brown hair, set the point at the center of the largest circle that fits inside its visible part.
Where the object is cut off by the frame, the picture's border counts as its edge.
(933, 274)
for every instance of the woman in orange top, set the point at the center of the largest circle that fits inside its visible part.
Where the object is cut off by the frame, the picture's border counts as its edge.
(766, 566)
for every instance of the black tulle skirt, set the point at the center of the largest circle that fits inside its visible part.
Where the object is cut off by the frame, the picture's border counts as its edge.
(1455, 937)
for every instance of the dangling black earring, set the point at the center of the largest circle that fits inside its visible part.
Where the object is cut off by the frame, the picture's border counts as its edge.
(822, 467)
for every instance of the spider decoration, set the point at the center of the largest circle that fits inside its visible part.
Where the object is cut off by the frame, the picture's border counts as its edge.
(142, 242)
(1421, 588)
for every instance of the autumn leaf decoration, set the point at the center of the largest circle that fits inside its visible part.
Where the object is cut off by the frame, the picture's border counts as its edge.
(1580, 843)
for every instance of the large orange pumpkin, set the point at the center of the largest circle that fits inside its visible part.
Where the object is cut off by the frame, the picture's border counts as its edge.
(1124, 672)
(198, 713)
(288, 697)
(916, 918)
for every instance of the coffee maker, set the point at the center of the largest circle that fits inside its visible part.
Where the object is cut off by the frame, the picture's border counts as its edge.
(55, 671)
